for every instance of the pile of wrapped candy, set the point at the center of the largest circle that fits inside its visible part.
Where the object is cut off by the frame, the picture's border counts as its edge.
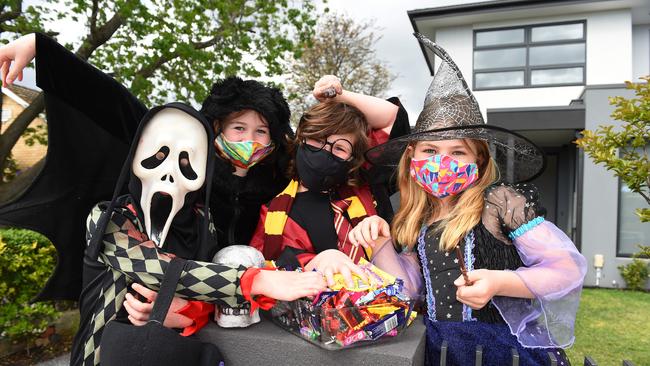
(349, 316)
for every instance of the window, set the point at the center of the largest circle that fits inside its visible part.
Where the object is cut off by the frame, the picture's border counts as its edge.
(631, 231)
(530, 56)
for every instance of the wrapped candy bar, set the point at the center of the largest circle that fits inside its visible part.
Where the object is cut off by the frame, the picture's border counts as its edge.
(349, 316)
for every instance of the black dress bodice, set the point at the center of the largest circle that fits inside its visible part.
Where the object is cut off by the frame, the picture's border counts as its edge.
(507, 207)
(444, 268)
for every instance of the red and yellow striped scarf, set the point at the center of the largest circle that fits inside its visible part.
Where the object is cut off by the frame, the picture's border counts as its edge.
(357, 203)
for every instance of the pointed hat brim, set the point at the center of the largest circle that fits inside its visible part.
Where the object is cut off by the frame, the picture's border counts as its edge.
(518, 159)
(451, 112)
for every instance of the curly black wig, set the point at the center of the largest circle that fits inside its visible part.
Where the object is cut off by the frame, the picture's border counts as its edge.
(233, 94)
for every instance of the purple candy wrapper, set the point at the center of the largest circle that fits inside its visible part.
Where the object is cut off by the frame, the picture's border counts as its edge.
(385, 325)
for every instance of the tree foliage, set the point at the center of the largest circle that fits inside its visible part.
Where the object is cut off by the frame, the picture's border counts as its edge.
(27, 260)
(173, 50)
(16, 19)
(167, 50)
(624, 150)
(340, 47)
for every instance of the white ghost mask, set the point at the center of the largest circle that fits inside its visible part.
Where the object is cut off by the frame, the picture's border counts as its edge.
(170, 162)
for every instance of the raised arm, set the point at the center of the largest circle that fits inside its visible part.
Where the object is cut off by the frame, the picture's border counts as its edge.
(63, 75)
(87, 89)
(380, 113)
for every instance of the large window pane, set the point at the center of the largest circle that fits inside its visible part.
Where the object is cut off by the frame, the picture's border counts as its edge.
(557, 32)
(631, 231)
(499, 79)
(507, 57)
(560, 54)
(500, 37)
(571, 75)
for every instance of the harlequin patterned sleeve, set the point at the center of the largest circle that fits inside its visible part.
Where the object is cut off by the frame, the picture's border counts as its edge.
(127, 250)
(130, 256)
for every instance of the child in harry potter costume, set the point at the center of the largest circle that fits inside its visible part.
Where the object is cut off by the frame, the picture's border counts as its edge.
(307, 224)
(495, 272)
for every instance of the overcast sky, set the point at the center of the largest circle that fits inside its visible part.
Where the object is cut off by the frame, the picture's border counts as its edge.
(397, 46)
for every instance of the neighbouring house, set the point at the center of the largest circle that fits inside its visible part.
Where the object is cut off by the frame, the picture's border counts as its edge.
(15, 99)
(546, 69)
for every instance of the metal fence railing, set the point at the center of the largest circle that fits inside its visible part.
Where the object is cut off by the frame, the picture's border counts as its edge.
(552, 360)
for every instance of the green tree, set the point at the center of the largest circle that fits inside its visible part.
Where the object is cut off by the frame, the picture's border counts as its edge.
(16, 19)
(624, 150)
(173, 50)
(340, 47)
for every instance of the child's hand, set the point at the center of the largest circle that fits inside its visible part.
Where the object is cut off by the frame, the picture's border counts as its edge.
(331, 261)
(368, 231)
(484, 286)
(324, 87)
(139, 312)
(288, 285)
(19, 52)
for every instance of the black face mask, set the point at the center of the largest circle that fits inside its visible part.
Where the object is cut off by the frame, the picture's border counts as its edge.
(320, 170)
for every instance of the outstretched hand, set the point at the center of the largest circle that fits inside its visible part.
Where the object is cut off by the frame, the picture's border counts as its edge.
(15, 56)
(332, 261)
(368, 231)
(287, 285)
(139, 312)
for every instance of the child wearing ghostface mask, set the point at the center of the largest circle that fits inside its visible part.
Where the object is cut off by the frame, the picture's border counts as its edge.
(309, 221)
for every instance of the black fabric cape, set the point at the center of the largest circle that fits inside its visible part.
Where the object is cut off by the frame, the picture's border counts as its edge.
(86, 148)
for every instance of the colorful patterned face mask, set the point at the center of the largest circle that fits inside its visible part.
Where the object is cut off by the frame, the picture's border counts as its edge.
(243, 154)
(442, 175)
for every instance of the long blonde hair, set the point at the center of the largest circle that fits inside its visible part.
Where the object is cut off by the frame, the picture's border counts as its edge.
(417, 206)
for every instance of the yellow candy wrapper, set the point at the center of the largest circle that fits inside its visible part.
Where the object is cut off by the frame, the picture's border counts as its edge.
(377, 278)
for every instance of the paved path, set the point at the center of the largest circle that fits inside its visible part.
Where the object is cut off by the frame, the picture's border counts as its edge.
(59, 361)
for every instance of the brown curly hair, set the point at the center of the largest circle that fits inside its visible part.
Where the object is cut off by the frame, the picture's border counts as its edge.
(333, 118)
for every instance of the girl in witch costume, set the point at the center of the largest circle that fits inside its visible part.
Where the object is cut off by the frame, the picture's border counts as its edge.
(495, 273)
(132, 238)
(327, 195)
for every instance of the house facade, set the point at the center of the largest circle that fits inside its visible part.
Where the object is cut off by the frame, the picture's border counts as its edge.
(546, 69)
(15, 99)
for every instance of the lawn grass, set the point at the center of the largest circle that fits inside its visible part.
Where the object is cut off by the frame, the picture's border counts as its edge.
(612, 325)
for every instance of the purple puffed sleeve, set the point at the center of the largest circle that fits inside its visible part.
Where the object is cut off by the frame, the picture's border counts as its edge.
(404, 266)
(554, 272)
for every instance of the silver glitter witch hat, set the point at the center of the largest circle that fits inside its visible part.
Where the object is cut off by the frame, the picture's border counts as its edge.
(451, 112)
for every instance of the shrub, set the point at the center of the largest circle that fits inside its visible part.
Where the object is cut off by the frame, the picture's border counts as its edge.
(27, 260)
(636, 273)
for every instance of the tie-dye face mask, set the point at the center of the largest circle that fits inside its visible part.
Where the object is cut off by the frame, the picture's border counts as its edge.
(442, 175)
(243, 154)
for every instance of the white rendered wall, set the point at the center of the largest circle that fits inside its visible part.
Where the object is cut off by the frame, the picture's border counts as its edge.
(609, 57)
(600, 196)
(640, 50)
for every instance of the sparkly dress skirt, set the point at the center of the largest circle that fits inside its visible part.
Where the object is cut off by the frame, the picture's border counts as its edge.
(496, 340)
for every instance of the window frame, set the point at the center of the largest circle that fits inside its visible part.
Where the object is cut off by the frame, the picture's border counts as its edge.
(527, 44)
